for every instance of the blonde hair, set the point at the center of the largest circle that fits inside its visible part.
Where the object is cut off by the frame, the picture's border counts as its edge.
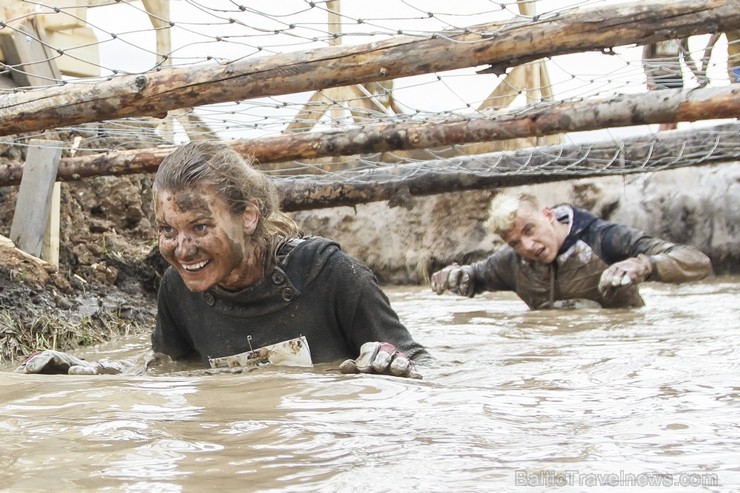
(504, 209)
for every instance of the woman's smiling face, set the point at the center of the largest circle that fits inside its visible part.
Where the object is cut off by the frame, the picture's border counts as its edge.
(204, 241)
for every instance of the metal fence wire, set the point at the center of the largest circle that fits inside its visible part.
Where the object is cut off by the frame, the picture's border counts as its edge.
(328, 92)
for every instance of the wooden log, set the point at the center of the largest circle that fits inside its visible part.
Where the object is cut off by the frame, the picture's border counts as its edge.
(500, 45)
(547, 119)
(652, 107)
(666, 150)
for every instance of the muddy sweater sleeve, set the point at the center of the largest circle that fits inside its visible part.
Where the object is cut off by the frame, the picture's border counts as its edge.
(365, 311)
(671, 263)
(497, 272)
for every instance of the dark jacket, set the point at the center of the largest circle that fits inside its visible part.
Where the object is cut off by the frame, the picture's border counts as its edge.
(314, 289)
(590, 247)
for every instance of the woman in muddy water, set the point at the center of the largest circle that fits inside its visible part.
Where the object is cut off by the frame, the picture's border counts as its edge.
(245, 287)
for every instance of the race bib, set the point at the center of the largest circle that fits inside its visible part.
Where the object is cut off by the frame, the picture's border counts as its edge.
(293, 352)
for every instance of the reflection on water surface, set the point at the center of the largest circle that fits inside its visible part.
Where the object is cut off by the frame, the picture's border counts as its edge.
(517, 401)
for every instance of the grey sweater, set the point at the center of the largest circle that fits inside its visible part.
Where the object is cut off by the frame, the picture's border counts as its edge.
(314, 289)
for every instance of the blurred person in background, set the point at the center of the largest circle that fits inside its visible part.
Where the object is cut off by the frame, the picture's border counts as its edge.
(567, 257)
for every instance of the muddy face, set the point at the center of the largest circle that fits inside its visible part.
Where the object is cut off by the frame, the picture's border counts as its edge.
(536, 235)
(204, 241)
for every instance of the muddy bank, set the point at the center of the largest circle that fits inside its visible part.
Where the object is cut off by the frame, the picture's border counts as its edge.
(43, 307)
(104, 286)
(698, 206)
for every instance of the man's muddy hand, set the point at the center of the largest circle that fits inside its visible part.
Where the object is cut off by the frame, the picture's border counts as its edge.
(455, 278)
(625, 273)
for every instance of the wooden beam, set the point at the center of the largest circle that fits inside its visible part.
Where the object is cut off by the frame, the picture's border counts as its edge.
(27, 59)
(500, 45)
(652, 107)
(159, 15)
(334, 23)
(550, 118)
(666, 150)
(31, 215)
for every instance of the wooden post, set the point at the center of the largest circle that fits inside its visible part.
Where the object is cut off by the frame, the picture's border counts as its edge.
(50, 246)
(50, 243)
(31, 216)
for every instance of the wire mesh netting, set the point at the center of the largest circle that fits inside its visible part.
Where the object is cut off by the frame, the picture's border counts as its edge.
(72, 47)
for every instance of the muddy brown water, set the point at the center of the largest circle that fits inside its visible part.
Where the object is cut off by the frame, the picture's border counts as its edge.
(578, 400)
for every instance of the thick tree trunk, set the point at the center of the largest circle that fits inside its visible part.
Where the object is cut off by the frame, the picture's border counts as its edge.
(500, 45)
(547, 119)
(670, 105)
(666, 150)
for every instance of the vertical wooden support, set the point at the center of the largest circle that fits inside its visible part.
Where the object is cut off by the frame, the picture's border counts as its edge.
(31, 216)
(50, 244)
(159, 16)
(334, 24)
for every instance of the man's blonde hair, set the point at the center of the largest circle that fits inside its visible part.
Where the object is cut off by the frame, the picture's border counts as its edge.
(504, 208)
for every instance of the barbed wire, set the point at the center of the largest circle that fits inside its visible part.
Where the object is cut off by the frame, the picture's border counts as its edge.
(76, 44)
(633, 155)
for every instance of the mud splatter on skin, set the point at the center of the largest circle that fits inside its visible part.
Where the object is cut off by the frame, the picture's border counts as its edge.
(197, 225)
(192, 200)
(197, 208)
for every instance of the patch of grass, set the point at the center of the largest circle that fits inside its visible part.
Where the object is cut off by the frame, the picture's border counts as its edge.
(19, 338)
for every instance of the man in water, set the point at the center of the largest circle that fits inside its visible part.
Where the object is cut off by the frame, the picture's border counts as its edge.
(565, 256)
